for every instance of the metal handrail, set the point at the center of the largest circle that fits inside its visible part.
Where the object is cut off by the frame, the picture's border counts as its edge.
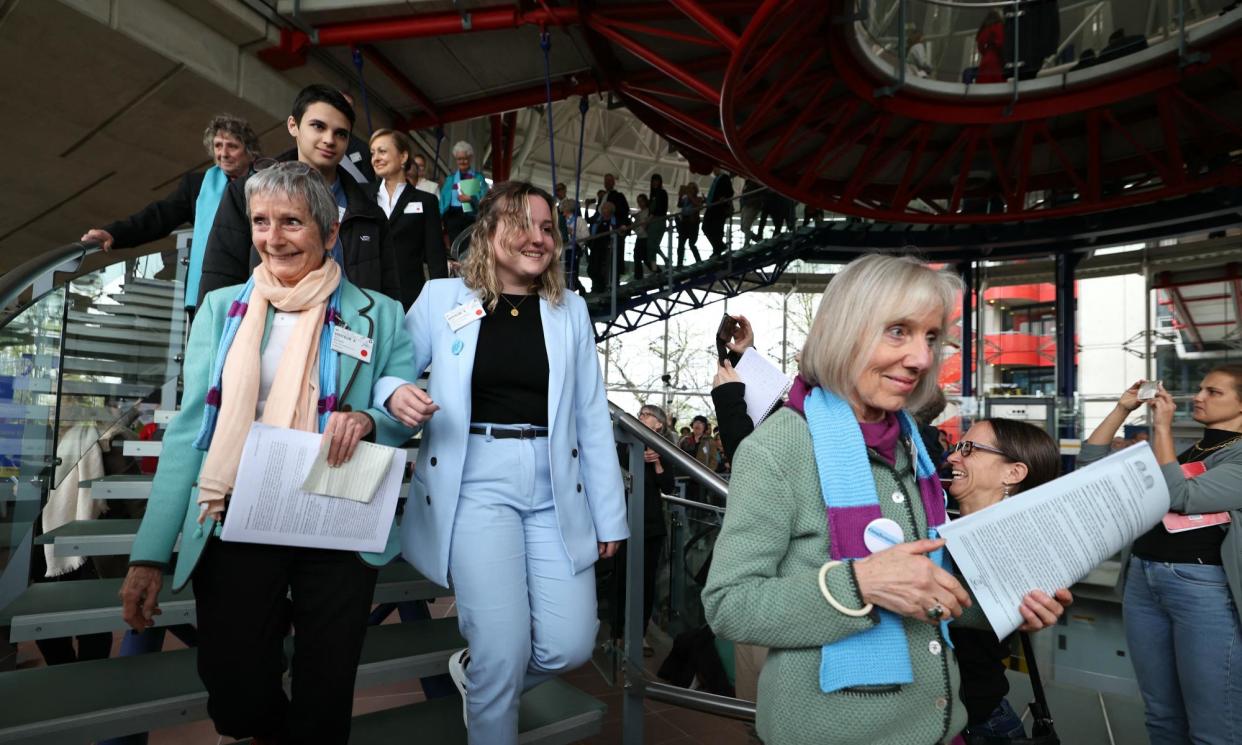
(18, 279)
(670, 452)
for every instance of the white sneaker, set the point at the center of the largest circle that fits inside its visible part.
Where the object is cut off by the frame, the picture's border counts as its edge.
(457, 665)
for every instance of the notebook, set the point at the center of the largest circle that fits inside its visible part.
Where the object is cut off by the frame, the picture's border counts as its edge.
(1177, 523)
(766, 385)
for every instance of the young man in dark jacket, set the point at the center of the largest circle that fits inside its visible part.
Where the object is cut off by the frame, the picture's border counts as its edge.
(320, 125)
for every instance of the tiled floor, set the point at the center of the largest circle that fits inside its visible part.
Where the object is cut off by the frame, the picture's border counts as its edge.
(662, 724)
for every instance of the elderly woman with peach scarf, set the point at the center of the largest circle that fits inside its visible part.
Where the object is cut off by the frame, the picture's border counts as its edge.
(262, 352)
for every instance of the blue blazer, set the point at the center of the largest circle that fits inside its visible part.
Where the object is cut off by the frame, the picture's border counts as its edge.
(172, 508)
(586, 478)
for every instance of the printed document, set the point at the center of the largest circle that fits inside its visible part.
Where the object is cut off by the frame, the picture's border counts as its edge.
(359, 479)
(269, 505)
(1055, 534)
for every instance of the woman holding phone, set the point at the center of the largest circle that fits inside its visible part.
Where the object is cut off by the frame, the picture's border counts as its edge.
(1181, 591)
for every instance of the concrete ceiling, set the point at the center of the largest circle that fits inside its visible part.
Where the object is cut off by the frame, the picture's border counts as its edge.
(106, 100)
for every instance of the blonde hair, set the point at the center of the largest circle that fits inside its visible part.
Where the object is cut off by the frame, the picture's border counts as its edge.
(504, 213)
(867, 296)
(400, 142)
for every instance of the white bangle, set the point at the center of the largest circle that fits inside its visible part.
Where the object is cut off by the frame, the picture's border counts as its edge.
(823, 588)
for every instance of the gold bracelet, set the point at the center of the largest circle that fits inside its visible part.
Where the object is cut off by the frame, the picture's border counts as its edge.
(823, 588)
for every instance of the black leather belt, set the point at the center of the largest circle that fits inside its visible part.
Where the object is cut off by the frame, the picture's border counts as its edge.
(510, 433)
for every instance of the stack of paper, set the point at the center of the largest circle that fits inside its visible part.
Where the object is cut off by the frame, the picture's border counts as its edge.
(766, 385)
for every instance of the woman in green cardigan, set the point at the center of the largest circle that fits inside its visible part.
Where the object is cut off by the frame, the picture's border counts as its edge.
(859, 649)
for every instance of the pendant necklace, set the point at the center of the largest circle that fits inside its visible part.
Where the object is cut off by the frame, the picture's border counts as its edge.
(513, 309)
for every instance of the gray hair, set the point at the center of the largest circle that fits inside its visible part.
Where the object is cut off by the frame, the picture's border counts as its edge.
(867, 296)
(297, 181)
(569, 204)
(235, 127)
(655, 411)
(463, 148)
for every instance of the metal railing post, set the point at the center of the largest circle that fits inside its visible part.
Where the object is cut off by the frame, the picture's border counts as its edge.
(632, 710)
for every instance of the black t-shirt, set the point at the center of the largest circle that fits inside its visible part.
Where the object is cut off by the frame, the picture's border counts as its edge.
(510, 380)
(980, 658)
(1200, 546)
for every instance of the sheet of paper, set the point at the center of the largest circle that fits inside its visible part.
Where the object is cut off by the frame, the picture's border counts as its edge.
(765, 384)
(269, 506)
(1055, 534)
(359, 479)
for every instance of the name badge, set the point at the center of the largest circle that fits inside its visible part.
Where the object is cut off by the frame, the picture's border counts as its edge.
(414, 208)
(464, 315)
(351, 344)
(340, 214)
(355, 157)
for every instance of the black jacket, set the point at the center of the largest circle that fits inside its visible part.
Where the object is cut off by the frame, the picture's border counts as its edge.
(622, 205)
(414, 233)
(358, 153)
(370, 261)
(720, 208)
(731, 417)
(659, 202)
(158, 219)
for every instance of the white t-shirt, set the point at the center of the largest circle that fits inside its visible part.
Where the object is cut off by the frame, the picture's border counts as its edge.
(282, 329)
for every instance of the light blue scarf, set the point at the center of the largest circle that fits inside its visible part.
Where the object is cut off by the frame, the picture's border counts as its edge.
(214, 184)
(879, 655)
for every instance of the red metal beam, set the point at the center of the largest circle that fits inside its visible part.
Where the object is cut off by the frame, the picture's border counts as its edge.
(709, 22)
(384, 65)
(669, 68)
(510, 101)
(687, 121)
(426, 25)
(664, 33)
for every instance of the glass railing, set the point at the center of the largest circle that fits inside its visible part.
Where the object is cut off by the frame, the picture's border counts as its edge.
(960, 41)
(83, 360)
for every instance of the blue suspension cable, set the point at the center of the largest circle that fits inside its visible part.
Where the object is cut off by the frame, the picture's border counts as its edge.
(362, 86)
(545, 43)
(573, 237)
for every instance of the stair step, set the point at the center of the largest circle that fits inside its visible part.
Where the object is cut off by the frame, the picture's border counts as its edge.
(94, 388)
(83, 331)
(127, 321)
(141, 310)
(135, 486)
(105, 350)
(554, 713)
(52, 609)
(158, 291)
(156, 370)
(126, 695)
(131, 301)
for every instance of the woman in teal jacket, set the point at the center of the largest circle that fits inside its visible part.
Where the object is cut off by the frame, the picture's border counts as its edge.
(249, 347)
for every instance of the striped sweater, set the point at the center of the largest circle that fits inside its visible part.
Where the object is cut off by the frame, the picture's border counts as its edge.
(763, 590)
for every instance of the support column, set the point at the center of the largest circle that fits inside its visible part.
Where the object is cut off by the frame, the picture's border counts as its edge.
(1067, 346)
(966, 271)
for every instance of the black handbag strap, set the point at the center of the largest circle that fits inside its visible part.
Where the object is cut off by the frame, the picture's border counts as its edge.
(1037, 686)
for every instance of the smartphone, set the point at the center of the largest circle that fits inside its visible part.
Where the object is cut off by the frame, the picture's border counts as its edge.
(724, 335)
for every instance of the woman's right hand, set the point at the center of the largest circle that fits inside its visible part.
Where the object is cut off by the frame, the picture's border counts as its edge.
(140, 597)
(902, 579)
(411, 405)
(1129, 400)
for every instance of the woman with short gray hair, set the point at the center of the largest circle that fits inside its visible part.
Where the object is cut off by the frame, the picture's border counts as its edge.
(461, 193)
(858, 644)
(279, 326)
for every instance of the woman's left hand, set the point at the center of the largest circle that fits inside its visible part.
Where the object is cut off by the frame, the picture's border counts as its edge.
(609, 549)
(1041, 611)
(343, 431)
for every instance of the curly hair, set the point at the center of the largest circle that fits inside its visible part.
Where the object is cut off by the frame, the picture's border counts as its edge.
(504, 213)
(235, 127)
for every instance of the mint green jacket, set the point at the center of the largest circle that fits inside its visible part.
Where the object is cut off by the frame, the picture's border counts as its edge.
(763, 589)
(172, 508)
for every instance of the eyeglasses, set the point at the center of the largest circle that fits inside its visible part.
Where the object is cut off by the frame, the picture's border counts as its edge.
(966, 447)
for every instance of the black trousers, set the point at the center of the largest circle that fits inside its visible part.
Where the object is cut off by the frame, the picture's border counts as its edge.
(242, 592)
(713, 230)
(59, 650)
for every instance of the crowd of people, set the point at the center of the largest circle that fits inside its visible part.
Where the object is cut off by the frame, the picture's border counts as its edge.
(517, 491)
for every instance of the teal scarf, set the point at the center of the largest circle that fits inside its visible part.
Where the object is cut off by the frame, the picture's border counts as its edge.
(214, 184)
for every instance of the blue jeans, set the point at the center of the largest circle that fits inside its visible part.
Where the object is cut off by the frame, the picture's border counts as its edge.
(525, 614)
(1183, 633)
(1003, 724)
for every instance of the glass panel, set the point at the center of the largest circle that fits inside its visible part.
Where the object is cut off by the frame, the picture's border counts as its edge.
(124, 336)
(29, 379)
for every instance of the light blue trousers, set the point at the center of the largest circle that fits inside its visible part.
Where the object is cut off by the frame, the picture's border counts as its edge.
(1186, 645)
(524, 613)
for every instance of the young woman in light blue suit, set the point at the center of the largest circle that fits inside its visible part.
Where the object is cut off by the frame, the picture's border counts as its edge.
(517, 492)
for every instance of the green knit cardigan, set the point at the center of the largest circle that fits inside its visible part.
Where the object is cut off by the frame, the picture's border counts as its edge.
(763, 589)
